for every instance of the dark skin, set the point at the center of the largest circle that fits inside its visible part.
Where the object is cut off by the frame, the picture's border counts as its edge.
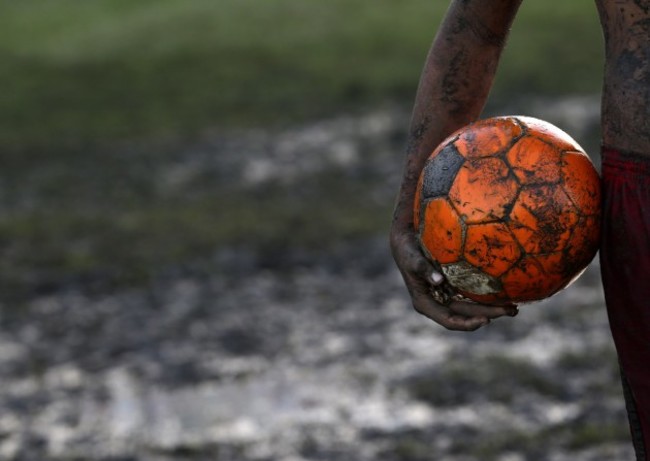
(454, 85)
(626, 89)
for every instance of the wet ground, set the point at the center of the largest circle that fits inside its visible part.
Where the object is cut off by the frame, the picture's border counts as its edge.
(316, 356)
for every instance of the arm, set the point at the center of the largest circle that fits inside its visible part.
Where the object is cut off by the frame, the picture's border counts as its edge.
(454, 86)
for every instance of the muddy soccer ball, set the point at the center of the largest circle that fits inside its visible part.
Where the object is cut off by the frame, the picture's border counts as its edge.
(508, 209)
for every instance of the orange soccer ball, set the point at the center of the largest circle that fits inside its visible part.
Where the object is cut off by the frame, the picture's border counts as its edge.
(509, 209)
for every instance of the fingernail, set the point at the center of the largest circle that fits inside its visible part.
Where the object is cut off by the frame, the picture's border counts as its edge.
(436, 277)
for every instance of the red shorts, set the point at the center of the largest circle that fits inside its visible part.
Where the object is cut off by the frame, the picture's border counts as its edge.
(625, 268)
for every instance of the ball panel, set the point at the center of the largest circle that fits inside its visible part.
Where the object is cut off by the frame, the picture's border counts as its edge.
(581, 182)
(558, 270)
(584, 242)
(483, 190)
(440, 171)
(553, 263)
(488, 137)
(534, 161)
(491, 247)
(527, 281)
(542, 219)
(549, 133)
(443, 231)
(471, 279)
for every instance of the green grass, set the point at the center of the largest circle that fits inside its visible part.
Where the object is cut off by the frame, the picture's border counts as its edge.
(126, 239)
(81, 72)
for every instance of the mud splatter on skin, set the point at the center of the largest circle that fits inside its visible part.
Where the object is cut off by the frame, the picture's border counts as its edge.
(456, 85)
(626, 91)
(630, 76)
(483, 33)
(643, 4)
(418, 133)
(452, 84)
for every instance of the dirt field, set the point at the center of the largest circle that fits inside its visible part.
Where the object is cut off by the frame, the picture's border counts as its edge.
(304, 352)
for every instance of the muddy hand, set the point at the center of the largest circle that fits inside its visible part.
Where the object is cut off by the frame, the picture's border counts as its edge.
(422, 278)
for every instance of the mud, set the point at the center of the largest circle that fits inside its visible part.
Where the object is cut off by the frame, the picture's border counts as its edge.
(319, 357)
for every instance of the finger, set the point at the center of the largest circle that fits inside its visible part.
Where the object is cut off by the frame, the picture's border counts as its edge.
(425, 270)
(425, 305)
(416, 264)
(470, 309)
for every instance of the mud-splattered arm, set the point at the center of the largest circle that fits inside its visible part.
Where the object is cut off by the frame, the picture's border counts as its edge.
(454, 85)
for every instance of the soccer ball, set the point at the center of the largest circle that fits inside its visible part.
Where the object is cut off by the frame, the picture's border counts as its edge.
(508, 208)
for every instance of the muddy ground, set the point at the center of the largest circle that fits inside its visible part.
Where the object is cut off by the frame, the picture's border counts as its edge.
(307, 353)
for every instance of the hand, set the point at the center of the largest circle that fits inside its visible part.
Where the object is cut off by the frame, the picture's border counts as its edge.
(421, 279)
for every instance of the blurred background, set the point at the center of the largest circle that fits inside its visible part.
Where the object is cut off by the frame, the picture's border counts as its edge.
(195, 200)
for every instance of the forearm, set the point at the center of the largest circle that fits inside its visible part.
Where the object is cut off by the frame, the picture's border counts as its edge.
(454, 84)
